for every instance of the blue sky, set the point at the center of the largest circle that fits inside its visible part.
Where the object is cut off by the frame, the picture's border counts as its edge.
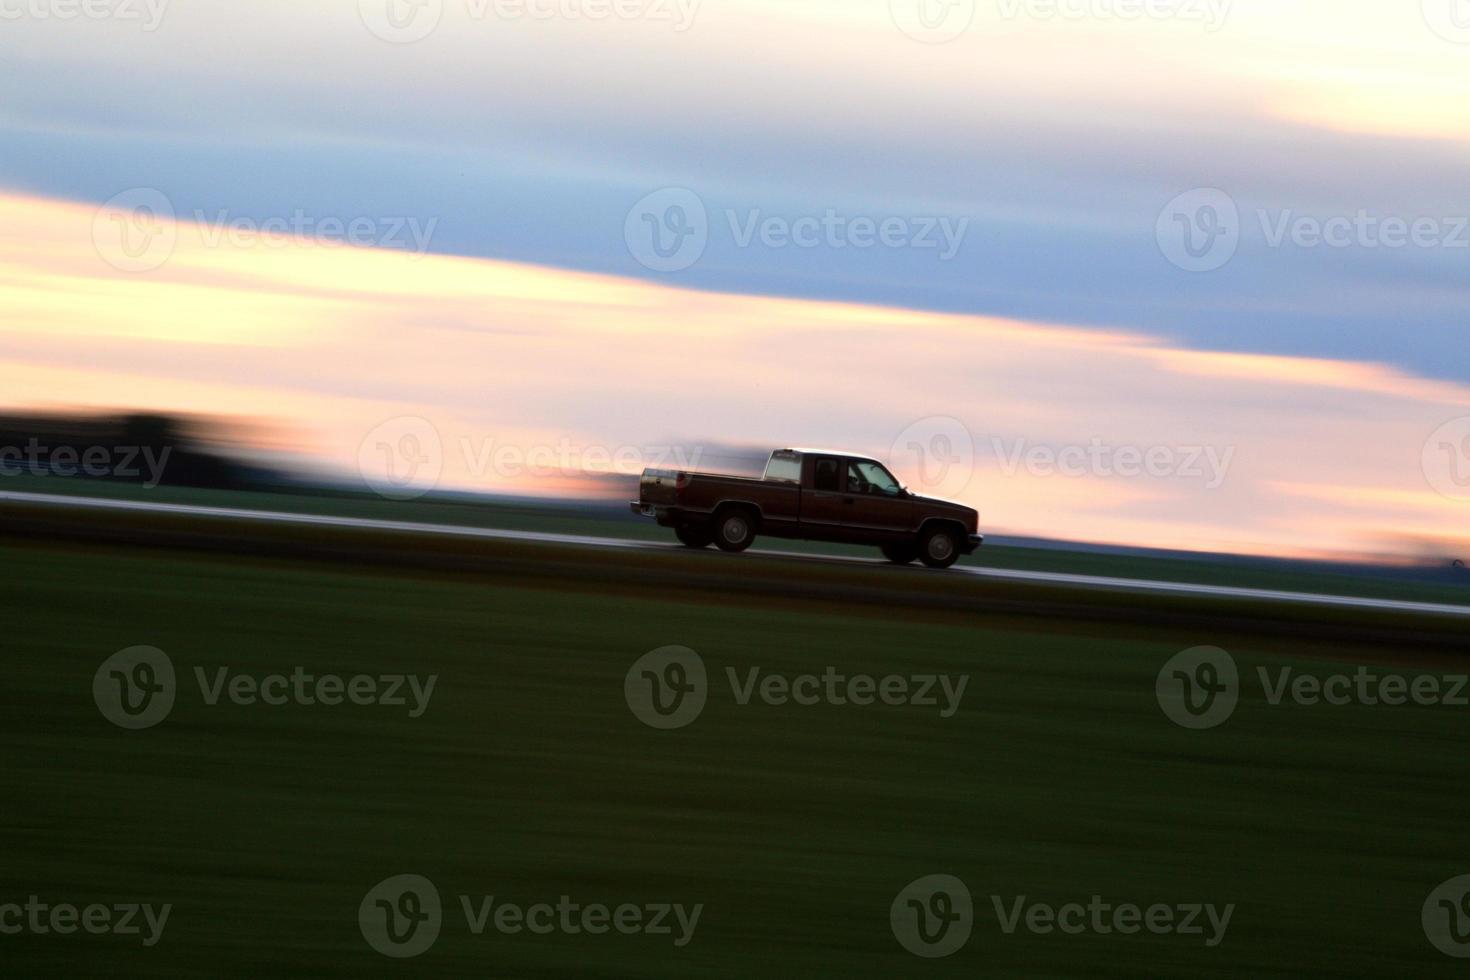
(530, 140)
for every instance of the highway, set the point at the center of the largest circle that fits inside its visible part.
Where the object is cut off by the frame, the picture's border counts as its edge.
(1047, 578)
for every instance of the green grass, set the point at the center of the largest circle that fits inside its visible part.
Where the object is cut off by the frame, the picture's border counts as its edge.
(529, 778)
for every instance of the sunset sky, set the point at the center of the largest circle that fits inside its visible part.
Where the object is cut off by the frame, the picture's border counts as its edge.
(1131, 262)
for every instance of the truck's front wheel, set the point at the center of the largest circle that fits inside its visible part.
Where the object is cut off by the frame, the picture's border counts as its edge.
(939, 548)
(734, 530)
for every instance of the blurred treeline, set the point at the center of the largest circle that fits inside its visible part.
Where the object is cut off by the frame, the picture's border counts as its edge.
(131, 448)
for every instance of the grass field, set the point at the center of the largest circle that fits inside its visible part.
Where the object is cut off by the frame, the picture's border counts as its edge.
(528, 778)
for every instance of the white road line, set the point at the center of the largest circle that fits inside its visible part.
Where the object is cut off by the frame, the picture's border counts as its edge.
(447, 530)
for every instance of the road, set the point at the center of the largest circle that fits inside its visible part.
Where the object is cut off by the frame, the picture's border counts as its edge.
(1047, 578)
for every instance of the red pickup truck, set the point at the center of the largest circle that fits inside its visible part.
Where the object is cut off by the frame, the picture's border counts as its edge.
(815, 495)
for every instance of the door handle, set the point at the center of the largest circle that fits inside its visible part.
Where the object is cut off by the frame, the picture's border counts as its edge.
(848, 500)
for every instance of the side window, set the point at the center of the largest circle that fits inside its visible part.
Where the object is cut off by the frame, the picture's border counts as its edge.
(866, 476)
(784, 468)
(824, 477)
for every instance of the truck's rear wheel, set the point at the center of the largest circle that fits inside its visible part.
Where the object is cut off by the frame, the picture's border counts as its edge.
(734, 530)
(694, 537)
(900, 554)
(939, 548)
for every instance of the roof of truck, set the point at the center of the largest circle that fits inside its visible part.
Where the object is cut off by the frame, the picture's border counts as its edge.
(828, 452)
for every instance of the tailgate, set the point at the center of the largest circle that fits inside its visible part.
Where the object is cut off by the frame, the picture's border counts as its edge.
(660, 486)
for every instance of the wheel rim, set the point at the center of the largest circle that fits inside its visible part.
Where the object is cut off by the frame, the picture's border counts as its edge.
(940, 547)
(734, 530)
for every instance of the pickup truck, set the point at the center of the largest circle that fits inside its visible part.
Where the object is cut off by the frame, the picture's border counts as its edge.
(814, 495)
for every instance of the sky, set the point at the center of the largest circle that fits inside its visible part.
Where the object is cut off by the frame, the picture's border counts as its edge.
(1036, 238)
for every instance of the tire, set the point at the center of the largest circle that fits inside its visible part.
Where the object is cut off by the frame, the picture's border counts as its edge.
(939, 548)
(734, 529)
(694, 537)
(900, 554)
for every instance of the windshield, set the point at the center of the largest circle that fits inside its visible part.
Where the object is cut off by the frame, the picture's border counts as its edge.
(865, 476)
